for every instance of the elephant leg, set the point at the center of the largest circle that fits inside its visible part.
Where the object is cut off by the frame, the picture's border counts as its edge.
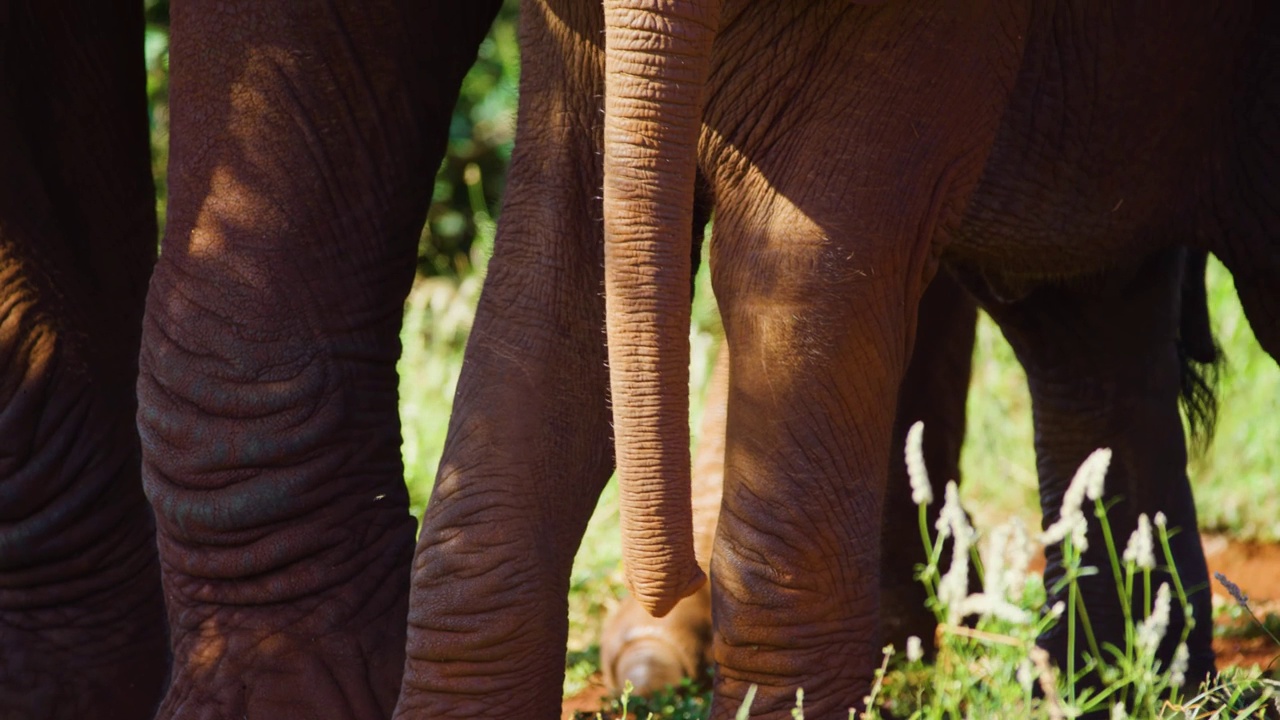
(82, 628)
(814, 374)
(529, 443)
(819, 262)
(933, 391)
(1245, 221)
(656, 652)
(304, 140)
(1104, 371)
(650, 652)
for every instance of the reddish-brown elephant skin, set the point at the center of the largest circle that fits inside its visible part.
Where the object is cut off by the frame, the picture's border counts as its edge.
(82, 630)
(1053, 155)
(304, 140)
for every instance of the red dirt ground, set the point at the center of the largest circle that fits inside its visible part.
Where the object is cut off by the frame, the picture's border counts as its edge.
(1255, 567)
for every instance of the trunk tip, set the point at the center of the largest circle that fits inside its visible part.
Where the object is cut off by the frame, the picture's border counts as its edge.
(658, 599)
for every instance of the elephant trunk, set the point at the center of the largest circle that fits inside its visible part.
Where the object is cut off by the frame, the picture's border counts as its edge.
(657, 56)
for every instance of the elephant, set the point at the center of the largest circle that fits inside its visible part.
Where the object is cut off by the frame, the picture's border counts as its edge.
(304, 140)
(202, 510)
(1055, 159)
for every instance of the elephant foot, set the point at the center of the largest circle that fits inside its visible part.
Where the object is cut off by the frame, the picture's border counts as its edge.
(654, 653)
(224, 674)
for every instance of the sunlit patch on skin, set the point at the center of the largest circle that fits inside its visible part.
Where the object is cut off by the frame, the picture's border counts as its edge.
(227, 198)
(232, 197)
(209, 647)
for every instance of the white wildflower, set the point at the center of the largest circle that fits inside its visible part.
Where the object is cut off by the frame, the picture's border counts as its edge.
(1026, 675)
(1020, 549)
(1178, 665)
(1152, 630)
(917, 473)
(1093, 472)
(1160, 520)
(1087, 483)
(1057, 609)
(954, 585)
(1068, 523)
(951, 519)
(1141, 550)
(1118, 712)
(915, 649)
(1005, 562)
(993, 607)
(953, 588)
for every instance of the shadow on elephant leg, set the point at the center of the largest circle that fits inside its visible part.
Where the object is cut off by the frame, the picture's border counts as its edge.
(233, 673)
(45, 677)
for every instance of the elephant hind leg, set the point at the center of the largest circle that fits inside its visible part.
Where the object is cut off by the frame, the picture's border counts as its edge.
(82, 617)
(652, 653)
(1103, 368)
(933, 391)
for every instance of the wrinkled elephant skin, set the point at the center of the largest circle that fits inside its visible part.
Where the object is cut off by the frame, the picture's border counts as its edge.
(304, 140)
(82, 630)
(1053, 158)
(261, 372)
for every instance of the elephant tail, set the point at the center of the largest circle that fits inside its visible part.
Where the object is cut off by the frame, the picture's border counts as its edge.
(1199, 355)
(657, 60)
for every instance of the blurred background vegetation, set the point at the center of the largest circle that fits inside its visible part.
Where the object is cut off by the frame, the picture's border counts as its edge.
(1236, 480)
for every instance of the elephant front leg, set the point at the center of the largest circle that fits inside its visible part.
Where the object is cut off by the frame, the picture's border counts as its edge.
(1104, 371)
(82, 627)
(529, 446)
(303, 143)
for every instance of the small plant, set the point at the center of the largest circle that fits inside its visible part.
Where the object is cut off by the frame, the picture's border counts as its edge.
(993, 667)
(1242, 600)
